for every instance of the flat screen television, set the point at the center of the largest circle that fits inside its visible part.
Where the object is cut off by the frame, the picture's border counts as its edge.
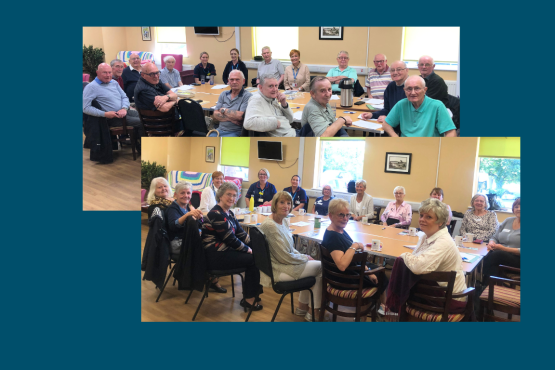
(270, 150)
(207, 30)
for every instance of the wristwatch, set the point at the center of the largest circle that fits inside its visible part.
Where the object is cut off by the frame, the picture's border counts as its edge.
(222, 110)
(353, 249)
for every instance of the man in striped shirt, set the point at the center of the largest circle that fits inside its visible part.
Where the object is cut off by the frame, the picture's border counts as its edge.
(378, 78)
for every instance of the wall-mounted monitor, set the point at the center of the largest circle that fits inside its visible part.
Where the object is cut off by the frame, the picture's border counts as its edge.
(270, 150)
(207, 30)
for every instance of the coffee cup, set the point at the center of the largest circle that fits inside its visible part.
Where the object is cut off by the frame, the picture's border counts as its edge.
(259, 209)
(267, 209)
(302, 211)
(364, 220)
(247, 219)
(458, 240)
(412, 231)
(469, 237)
(237, 211)
(375, 245)
(254, 218)
(317, 223)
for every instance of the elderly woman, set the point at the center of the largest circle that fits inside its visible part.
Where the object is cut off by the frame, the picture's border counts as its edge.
(300, 200)
(160, 192)
(504, 246)
(178, 212)
(436, 250)
(437, 193)
(339, 244)
(478, 220)
(235, 64)
(321, 204)
(287, 263)
(297, 75)
(227, 245)
(208, 196)
(362, 204)
(204, 69)
(169, 75)
(397, 213)
(262, 191)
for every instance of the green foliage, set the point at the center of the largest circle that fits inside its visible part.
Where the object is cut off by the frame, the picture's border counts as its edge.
(150, 171)
(502, 170)
(347, 156)
(92, 57)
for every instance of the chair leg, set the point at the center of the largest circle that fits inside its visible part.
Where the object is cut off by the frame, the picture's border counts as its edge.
(202, 299)
(232, 287)
(374, 311)
(334, 317)
(189, 296)
(312, 305)
(277, 308)
(252, 306)
(164, 286)
(133, 142)
(292, 306)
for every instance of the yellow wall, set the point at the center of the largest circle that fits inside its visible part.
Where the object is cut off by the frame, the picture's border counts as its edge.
(198, 151)
(135, 40)
(155, 149)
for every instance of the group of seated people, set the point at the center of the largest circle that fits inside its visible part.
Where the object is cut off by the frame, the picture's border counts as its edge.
(227, 245)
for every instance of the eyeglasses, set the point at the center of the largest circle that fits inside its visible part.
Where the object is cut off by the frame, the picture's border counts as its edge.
(379, 61)
(262, 174)
(152, 74)
(392, 70)
(424, 65)
(232, 196)
(398, 193)
(343, 215)
(410, 89)
(342, 57)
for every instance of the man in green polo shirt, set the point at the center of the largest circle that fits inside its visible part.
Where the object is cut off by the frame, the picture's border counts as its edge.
(419, 115)
(336, 74)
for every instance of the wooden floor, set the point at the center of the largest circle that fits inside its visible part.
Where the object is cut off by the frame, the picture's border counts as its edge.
(217, 307)
(115, 186)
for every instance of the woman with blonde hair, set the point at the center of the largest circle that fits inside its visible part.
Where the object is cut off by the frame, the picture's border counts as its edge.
(361, 204)
(478, 220)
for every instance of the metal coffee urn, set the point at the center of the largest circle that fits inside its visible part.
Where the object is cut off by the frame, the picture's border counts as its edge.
(346, 85)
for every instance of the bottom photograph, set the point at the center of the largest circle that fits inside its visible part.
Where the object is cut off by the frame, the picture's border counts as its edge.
(330, 230)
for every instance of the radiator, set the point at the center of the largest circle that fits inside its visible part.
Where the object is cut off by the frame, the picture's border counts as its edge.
(451, 87)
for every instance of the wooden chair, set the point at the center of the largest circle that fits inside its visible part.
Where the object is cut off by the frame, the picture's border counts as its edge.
(156, 123)
(352, 294)
(261, 253)
(437, 299)
(125, 130)
(501, 298)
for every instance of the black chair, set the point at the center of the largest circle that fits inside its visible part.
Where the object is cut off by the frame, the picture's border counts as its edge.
(253, 82)
(195, 200)
(358, 91)
(251, 133)
(455, 107)
(173, 258)
(306, 131)
(192, 117)
(261, 253)
(156, 123)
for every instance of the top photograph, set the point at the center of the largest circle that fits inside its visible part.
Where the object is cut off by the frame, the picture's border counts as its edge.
(270, 81)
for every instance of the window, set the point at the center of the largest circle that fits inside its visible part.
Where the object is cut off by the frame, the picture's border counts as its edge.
(499, 171)
(280, 40)
(441, 43)
(234, 159)
(340, 162)
(234, 171)
(171, 40)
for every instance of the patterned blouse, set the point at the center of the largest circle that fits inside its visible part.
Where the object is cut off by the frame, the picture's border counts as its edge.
(403, 213)
(483, 227)
(221, 230)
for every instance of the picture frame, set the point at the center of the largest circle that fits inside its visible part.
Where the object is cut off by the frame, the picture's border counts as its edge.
(331, 33)
(398, 163)
(145, 32)
(210, 154)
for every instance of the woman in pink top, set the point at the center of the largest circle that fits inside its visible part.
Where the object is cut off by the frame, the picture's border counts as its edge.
(397, 213)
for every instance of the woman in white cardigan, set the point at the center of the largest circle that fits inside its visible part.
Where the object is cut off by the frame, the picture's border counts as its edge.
(361, 204)
(208, 196)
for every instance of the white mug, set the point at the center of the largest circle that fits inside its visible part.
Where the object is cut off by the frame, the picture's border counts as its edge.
(267, 209)
(412, 231)
(247, 219)
(469, 237)
(302, 211)
(365, 220)
(458, 240)
(375, 245)
(237, 211)
(254, 218)
(259, 209)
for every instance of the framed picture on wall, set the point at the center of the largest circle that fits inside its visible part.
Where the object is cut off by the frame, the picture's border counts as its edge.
(398, 163)
(145, 31)
(210, 154)
(331, 33)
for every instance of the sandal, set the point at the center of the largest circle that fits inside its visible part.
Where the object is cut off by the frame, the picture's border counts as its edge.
(246, 305)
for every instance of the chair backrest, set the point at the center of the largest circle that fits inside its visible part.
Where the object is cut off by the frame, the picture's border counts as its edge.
(357, 89)
(253, 82)
(330, 274)
(143, 193)
(192, 115)
(86, 77)
(437, 297)
(178, 61)
(187, 77)
(261, 252)
(306, 131)
(456, 223)
(455, 107)
(376, 219)
(156, 123)
(195, 199)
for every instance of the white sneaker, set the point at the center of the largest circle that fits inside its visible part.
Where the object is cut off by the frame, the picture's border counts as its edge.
(308, 317)
(300, 312)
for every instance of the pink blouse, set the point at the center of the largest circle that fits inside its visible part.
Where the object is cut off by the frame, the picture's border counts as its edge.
(403, 213)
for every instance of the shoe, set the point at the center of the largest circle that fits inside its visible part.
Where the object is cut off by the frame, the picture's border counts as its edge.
(308, 317)
(300, 312)
(247, 306)
(217, 289)
(381, 311)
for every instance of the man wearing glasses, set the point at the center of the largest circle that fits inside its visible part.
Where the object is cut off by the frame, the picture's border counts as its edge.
(378, 78)
(131, 75)
(419, 115)
(437, 89)
(340, 72)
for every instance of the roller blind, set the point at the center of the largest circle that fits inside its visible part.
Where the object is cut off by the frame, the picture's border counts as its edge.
(500, 147)
(280, 40)
(442, 43)
(235, 151)
(171, 35)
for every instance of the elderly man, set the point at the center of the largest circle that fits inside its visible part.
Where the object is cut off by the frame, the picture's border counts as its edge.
(113, 102)
(378, 78)
(231, 106)
(268, 110)
(419, 115)
(342, 71)
(270, 66)
(169, 75)
(437, 89)
(131, 75)
(117, 70)
(318, 114)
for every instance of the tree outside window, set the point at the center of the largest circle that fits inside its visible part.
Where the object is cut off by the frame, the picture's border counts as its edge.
(500, 176)
(340, 162)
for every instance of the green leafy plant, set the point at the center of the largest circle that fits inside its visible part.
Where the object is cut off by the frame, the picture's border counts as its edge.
(92, 57)
(150, 171)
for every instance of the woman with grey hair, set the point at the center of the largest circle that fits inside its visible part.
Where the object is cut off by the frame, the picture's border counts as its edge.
(178, 212)
(478, 220)
(436, 250)
(399, 212)
(361, 204)
(169, 75)
(159, 192)
(226, 244)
